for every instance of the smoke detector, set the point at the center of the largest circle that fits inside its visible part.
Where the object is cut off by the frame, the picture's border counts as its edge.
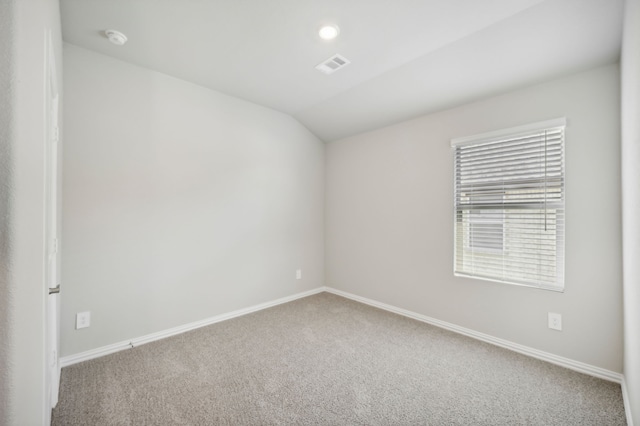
(333, 64)
(116, 37)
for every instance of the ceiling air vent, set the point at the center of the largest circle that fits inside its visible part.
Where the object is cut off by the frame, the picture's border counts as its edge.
(333, 64)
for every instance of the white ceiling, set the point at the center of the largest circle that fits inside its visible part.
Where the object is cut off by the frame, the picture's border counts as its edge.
(408, 57)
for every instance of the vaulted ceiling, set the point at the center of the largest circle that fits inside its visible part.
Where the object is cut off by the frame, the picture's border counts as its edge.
(408, 57)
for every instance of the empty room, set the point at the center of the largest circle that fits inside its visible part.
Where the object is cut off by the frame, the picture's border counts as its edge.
(366, 212)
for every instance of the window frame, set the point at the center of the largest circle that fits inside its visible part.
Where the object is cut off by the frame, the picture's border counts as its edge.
(560, 241)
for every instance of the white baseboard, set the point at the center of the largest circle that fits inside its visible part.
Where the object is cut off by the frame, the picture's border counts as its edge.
(535, 353)
(627, 402)
(128, 344)
(525, 350)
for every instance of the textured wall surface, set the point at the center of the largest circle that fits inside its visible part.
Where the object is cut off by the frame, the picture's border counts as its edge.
(180, 203)
(389, 221)
(630, 64)
(7, 82)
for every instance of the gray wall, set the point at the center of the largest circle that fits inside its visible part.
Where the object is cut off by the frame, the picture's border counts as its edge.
(23, 27)
(7, 81)
(180, 203)
(389, 220)
(630, 63)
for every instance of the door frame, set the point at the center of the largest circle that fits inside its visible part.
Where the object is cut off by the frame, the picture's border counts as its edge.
(52, 249)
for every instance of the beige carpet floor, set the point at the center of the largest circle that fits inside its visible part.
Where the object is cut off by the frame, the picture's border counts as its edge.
(326, 360)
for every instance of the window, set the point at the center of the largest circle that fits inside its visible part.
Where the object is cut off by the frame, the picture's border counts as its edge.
(509, 205)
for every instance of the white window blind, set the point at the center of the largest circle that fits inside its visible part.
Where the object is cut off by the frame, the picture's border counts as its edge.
(509, 205)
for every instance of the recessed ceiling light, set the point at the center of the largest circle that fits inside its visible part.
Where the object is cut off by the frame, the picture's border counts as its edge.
(329, 32)
(116, 37)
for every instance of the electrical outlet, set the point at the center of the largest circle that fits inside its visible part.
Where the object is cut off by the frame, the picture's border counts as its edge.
(83, 320)
(555, 321)
(299, 274)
